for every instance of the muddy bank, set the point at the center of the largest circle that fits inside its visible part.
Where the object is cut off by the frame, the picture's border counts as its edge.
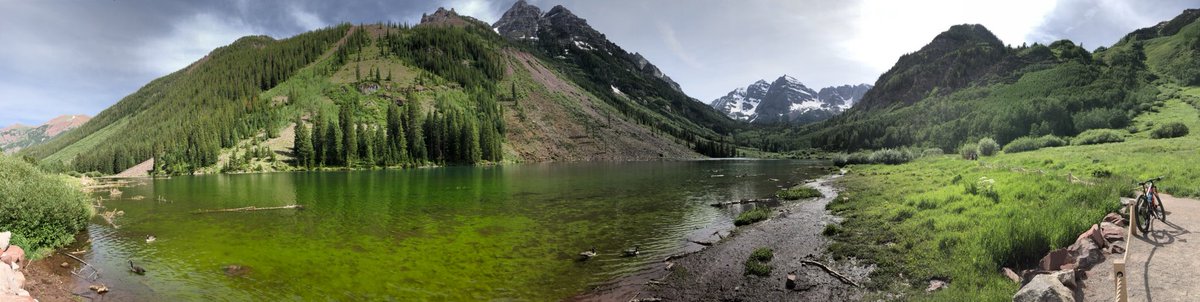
(717, 273)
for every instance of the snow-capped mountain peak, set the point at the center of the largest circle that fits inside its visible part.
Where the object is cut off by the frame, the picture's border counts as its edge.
(787, 100)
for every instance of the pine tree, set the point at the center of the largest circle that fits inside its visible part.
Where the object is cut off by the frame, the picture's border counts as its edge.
(350, 143)
(380, 142)
(303, 146)
(396, 140)
(319, 139)
(365, 146)
(414, 132)
(333, 142)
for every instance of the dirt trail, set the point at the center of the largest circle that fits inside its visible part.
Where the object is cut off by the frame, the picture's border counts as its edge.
(1163, 265)
(717, 272)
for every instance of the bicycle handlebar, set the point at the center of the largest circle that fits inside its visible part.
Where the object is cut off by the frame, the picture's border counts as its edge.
(1156, 179)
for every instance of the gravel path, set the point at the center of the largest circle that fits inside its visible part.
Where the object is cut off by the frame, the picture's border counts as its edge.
(1163, 265)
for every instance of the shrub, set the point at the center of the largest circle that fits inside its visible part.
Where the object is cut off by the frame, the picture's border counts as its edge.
(1169, 130)
(763, 254)
(1030, 143)
(753, 215)
(757, 268)
(890, 156)
(44, 211)
(757, 263)
(1098, 136)
(831, 230)
(798, 192)
(988, 146)
(932, 152)
(969, 151)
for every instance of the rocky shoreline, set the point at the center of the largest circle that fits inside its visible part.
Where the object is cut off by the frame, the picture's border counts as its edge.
(717, 273)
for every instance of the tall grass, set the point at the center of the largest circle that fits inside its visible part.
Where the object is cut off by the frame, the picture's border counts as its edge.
(962, 221)
(44, 211)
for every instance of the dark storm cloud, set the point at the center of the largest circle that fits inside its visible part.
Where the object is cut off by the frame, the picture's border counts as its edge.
(1103, 22)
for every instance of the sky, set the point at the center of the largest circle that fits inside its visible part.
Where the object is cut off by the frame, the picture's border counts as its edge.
(81, 56)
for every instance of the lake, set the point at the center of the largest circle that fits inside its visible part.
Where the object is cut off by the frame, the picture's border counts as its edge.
(509, 232)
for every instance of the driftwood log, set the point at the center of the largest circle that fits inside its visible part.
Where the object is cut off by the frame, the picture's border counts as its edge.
(250, 208)
(752, 200)
(831, 272)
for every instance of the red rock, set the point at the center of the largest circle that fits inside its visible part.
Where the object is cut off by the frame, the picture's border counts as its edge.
(1112, 232)
(14, 254)
(1055, 259)
(1116, 219)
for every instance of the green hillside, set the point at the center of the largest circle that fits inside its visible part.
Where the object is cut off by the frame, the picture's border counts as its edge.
(448, 91)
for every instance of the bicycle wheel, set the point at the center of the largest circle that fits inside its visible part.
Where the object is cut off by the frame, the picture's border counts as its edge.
(1160, 212)
(1142, 210)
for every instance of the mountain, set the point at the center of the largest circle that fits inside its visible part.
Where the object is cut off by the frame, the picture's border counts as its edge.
(15, 137)
(966, 85)
(787, 100)
(952, 60)
(450, 90)
(627, 81)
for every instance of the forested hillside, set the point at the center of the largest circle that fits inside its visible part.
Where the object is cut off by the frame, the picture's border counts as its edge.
(447, 91)
(965, 85)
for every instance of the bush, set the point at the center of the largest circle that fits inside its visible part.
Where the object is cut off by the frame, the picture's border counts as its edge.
(932, 152)
(969, 151)
(757, 263)
(763, 254)
(1098, 136)
(44, 211)
(757, 268)
(798, 192)
(988, 146)
(891, 157)
(1030, 143)
(753, 215)
(1169, 130)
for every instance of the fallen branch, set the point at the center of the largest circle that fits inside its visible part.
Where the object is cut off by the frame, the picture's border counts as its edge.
(250, 208)
(752, 200)
(831, 272)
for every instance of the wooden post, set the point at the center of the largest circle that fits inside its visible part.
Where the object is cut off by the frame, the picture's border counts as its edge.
(1122, 294)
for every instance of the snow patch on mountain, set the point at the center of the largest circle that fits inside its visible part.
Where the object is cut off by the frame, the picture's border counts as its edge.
(787, 100)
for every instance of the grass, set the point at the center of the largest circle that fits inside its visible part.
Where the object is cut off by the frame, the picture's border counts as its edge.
(962, 221)
(753, 215)
(757, 264)
(798, 192)
(44, 211)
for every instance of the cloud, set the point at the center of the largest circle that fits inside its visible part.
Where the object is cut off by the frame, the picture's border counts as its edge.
(479, 9)
(305, 19)
(1097, 23)
(884, 30)
(668, 36)
(191, 40)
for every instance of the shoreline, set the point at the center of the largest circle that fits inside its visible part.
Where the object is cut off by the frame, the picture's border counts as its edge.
(716, 272)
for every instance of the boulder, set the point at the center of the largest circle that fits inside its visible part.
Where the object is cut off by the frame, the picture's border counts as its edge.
(14, 256)
(1093, 234)
(1067, 277)
(1044, 288)
(1112, 232)
(1086, 253)
(4, 239)
(1116, 219)
(1055, 259)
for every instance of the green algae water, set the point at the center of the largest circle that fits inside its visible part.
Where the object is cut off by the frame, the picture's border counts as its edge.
(444, 234)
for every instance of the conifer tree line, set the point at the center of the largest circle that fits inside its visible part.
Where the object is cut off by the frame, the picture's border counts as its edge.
(185, 118)
(408, 137)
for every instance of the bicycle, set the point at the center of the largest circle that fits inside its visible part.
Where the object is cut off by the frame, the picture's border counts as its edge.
(1149, 205)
